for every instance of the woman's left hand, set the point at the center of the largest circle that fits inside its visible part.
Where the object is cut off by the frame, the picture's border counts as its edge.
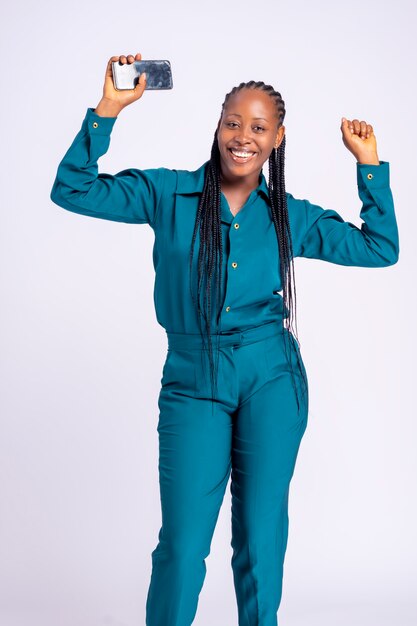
(359, 138)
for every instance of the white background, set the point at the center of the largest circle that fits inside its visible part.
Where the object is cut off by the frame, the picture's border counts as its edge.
(82, 352)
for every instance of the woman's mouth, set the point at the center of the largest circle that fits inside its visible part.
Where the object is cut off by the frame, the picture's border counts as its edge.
(241, 156)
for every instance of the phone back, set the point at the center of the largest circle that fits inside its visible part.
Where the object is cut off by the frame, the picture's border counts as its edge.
(158, 74)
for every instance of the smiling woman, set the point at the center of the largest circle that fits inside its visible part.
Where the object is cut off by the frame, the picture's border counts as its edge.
(248, 130)
(239, 409)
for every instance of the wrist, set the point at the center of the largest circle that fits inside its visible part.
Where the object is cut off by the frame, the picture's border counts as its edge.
(107, 108)
(370, 160)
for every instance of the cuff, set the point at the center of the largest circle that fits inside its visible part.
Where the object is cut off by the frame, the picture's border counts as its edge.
(96, 124)
(373, 176)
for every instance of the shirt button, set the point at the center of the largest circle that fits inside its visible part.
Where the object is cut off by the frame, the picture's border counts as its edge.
(95, 125)
(234, 264)
(227, 309)
(236, 225)
(370, 176)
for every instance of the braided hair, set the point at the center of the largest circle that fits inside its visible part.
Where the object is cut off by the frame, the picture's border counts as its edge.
(210, 254)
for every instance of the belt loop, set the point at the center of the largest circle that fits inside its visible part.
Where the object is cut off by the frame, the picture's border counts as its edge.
(239, 340)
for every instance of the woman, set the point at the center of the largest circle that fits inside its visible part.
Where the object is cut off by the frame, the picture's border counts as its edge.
(239, 406)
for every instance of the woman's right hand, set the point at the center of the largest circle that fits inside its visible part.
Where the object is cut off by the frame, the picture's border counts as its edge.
(113, 100)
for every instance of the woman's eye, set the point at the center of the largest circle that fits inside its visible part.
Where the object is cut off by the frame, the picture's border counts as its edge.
(234, 124)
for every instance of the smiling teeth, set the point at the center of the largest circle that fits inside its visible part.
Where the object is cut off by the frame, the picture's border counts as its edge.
(242, 154)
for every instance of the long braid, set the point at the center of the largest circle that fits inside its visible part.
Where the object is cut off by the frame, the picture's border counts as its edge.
(280, 217)
(211, 245)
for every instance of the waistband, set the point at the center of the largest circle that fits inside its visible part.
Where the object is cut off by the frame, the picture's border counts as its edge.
(190, 341)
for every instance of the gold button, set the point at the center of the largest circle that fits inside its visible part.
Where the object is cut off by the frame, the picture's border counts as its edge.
(95, 124)
(236, 225)
(228, 309)
(234, 264)
(370, 176)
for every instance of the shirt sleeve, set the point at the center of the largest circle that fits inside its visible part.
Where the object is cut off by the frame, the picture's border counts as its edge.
(323, 234)
(131, 195)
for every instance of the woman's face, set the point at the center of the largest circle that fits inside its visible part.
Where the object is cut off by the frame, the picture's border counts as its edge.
(247, 132)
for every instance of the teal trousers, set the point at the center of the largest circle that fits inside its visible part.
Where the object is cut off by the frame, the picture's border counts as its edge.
(253, 434)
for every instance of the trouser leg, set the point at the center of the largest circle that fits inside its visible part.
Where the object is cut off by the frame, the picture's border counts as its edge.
(266, 436)
(194, 467)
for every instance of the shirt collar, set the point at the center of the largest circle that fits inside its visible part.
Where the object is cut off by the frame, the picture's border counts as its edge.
(193, 182)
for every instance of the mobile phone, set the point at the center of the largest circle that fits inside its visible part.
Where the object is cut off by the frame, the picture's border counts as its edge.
(158, 74)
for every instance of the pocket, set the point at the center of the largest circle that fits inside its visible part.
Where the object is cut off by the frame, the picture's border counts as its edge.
(301, 377)
(178, 372)
(297, 351)
(277, 351)
(275, 357)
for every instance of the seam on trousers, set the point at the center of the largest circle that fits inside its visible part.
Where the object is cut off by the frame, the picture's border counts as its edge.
(250, 554)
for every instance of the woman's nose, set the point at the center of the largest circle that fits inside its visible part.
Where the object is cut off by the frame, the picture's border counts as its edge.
(243, 136)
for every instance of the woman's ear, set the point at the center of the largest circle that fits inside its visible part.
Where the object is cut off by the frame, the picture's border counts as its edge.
(279, 137)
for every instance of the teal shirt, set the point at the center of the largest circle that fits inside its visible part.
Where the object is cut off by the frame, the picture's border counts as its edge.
(167, 200)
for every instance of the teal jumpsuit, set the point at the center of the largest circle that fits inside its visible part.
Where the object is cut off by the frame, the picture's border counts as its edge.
(255, 432)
